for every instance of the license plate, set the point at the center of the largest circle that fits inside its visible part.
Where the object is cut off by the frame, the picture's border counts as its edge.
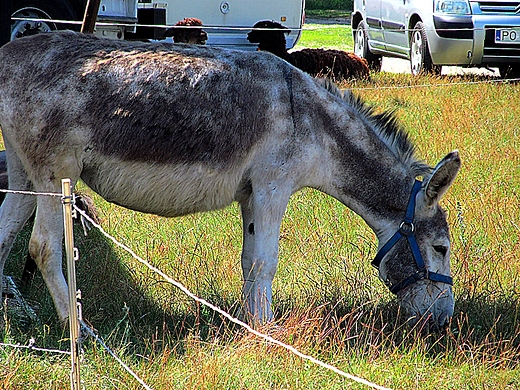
(507, 35)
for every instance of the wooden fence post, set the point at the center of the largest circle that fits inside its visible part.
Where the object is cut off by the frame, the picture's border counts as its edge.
(67, 200)
(91, 13)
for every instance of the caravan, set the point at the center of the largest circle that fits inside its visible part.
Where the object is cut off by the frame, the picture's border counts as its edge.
(227, 22)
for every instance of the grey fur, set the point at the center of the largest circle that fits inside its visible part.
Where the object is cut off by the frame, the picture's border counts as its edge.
(206, 127)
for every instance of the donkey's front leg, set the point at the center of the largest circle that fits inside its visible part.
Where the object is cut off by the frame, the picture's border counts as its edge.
(261, 225)
(257, 289)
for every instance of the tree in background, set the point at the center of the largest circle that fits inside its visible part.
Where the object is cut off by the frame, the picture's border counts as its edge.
(330, 4)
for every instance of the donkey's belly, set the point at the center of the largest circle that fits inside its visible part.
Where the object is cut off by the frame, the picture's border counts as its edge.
(167, 190)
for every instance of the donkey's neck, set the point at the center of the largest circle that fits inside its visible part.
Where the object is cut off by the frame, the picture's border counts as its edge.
(373, 163)
(371, 181)
(381, 203)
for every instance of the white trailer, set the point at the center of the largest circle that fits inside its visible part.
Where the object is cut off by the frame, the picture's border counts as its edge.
(227, 22)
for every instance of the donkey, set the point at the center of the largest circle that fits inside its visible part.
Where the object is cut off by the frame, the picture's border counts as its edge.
(208, 127)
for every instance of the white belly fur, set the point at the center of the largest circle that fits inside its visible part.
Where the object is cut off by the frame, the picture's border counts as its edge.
(167, 190)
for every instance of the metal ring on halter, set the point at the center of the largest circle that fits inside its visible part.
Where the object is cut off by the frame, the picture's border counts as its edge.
(407, 228)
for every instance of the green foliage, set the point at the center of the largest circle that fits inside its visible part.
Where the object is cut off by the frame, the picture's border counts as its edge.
(329, 4)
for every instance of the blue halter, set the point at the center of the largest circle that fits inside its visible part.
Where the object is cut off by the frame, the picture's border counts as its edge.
(407, 229)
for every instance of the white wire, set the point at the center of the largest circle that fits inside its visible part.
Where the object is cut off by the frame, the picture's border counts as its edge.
(165, 26)
(31, 193)
(60, 21)
(31, 347)
(100, 341)
(225, 314)
(437, 85)
(213, 27)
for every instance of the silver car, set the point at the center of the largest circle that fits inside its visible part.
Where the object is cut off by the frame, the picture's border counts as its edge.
(432, 33)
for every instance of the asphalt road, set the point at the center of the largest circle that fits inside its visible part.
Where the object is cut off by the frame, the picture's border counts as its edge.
(397, 65)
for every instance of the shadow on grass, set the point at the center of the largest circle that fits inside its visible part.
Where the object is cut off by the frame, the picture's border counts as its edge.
(126, 317)
(482, 332)
(113, 301)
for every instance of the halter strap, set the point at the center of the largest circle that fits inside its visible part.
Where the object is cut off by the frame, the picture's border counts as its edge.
(407, 229)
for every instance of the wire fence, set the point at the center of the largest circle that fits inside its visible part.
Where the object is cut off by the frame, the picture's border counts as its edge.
(246, 29)
(438, 85)
(31, 346)
(223, 313)
(99, 340)
(187, 292)
(230, 28)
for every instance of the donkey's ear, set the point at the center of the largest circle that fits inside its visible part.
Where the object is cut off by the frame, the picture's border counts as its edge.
(442, 177)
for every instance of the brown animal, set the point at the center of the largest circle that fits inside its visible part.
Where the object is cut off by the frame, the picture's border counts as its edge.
(183, 32)
(335, 64)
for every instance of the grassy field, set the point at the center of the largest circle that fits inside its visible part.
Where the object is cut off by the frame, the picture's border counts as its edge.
(326, 36)
(329, 302)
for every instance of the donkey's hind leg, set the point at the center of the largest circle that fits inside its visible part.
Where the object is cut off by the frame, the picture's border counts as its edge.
(16, 208)
(45, 247)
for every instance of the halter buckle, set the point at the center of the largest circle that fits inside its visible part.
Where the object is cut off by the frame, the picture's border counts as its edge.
(407, 228)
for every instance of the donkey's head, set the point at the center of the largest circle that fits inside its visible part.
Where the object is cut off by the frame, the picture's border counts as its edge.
(415, 261)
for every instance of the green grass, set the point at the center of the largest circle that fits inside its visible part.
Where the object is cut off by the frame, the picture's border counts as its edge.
(328, 300)
(326, 36)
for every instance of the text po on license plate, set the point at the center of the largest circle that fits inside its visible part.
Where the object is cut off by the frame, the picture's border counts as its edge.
(507, 35)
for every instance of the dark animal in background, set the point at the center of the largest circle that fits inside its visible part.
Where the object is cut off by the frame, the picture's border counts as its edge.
(335, 64)
(195, 36)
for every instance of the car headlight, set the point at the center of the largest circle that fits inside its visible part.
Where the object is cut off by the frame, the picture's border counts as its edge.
(454, 7)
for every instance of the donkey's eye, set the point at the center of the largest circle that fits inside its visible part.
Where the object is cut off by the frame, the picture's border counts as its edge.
(440, 249)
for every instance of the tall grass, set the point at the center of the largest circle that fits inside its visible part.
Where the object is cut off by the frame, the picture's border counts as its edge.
(328, 300)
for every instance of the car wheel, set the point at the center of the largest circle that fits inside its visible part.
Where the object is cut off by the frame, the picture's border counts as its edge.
(52, 10)
(361, 48)
(509, 71)
(420, 59)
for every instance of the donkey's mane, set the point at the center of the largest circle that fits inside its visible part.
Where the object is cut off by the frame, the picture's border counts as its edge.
(386, 126)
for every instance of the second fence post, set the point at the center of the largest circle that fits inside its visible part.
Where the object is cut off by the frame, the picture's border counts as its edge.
(67, 200)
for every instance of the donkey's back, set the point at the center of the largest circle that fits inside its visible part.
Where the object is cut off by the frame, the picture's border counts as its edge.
(192, 120)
